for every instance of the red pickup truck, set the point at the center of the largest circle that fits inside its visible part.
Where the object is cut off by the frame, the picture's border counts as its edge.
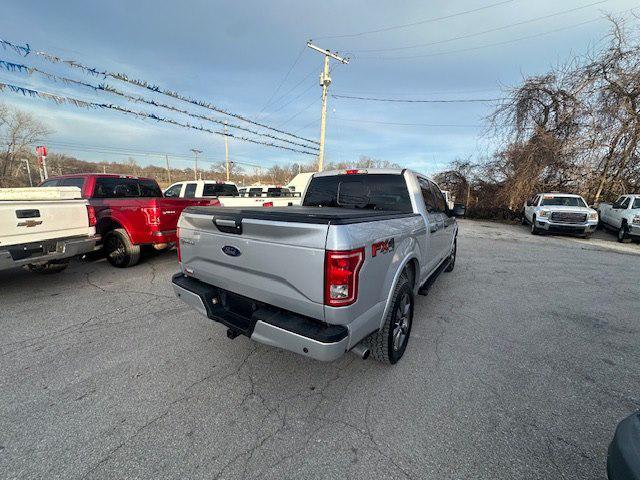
(130, 212)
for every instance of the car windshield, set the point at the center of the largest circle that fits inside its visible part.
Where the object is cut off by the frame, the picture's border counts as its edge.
(559, 201)
(369, 192)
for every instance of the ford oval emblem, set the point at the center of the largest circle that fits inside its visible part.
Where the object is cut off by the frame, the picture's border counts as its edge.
(231, 251)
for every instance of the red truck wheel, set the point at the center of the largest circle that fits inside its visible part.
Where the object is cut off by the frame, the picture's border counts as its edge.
(120, 251)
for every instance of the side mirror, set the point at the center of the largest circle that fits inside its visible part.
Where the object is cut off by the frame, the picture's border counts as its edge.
(458, 210)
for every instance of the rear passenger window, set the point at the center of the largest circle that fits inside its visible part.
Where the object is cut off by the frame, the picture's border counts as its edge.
(190, 190)
(441, 205)
(427, 195)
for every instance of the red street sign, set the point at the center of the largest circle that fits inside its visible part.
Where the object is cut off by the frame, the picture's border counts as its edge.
(41, 150)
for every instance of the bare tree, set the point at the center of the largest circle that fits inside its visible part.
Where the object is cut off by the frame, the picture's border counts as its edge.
(19, 130)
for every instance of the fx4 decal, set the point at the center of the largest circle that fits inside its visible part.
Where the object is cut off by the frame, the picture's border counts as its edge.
(384, 246)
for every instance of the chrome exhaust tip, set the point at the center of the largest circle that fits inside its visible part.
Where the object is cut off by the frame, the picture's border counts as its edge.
(361, 350)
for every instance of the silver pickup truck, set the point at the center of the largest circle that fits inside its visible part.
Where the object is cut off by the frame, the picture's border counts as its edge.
(337, 273)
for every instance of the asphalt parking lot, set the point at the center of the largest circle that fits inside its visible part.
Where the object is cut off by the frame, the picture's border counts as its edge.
(521, 362)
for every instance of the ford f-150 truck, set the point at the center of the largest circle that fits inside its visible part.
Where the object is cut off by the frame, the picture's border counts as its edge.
(43, 228)
(337, 273)
(560, 212)
(130, 212)
(623, 216)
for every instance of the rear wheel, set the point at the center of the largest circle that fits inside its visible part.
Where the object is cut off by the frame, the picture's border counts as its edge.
(524, 219)
(51, 267)
(390, 342)
(120, 251)
(623, 233)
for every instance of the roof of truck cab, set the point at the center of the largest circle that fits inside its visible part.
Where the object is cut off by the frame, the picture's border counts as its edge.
(372, 171)
(110, 175)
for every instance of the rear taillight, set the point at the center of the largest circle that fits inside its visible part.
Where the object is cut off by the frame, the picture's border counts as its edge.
(152, 215)
(178, 244)
(341, 270)
(91, 214)
(267, 204)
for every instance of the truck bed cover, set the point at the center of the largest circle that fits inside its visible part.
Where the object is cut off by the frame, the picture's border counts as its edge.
(300, 214)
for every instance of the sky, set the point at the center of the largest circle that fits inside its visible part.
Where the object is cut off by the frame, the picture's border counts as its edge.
(250, 58)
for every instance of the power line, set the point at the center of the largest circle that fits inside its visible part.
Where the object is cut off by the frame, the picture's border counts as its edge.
(80, 103)
(484, 32)
(13, 67)
(304, 109)
(402, 100)
(362, 120)
(284, 79)
(142, 84)
(421, 22)
(506, 42)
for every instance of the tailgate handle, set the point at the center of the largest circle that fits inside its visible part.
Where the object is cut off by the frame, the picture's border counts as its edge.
(33, 213)
(228, 225)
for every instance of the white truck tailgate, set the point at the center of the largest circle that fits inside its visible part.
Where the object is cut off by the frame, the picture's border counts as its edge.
(34, 218)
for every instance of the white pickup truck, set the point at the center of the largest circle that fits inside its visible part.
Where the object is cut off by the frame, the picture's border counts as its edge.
(561, 213)
(43, 228)
(230, 196)
(622, 216)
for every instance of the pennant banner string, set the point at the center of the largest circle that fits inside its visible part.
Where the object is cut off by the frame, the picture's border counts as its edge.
(25, 50)
(16, 67)
(82, 104)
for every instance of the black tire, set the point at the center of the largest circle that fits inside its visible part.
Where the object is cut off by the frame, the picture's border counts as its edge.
(387, 345)
(524, 219)
(452, 257)
(120, 251)
(623, 233)
(51, 267)
(534, 230)
(587, 236)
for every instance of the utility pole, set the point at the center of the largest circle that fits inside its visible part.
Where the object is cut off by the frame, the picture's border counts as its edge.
(28, 171)
(166, 159)
(226, 149)
(196, 152)
(325, 81)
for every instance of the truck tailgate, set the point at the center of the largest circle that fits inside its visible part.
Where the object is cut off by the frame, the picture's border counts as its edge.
(280, 263)
(38, 220)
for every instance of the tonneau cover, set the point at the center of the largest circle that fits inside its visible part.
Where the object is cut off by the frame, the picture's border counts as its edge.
(300, 214)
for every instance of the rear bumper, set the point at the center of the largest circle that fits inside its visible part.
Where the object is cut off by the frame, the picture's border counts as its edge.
(263, 323)
(623, 458)
(47, 251)
(164, 236)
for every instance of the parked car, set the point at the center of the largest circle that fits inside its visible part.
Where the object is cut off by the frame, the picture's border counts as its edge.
(201, 189)
(338, 273)
(131, 212)
(622, 216)
(43, 228)
(560, 212)
(623, 458)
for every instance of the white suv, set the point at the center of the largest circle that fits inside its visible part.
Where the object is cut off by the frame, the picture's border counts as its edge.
(560, 212)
